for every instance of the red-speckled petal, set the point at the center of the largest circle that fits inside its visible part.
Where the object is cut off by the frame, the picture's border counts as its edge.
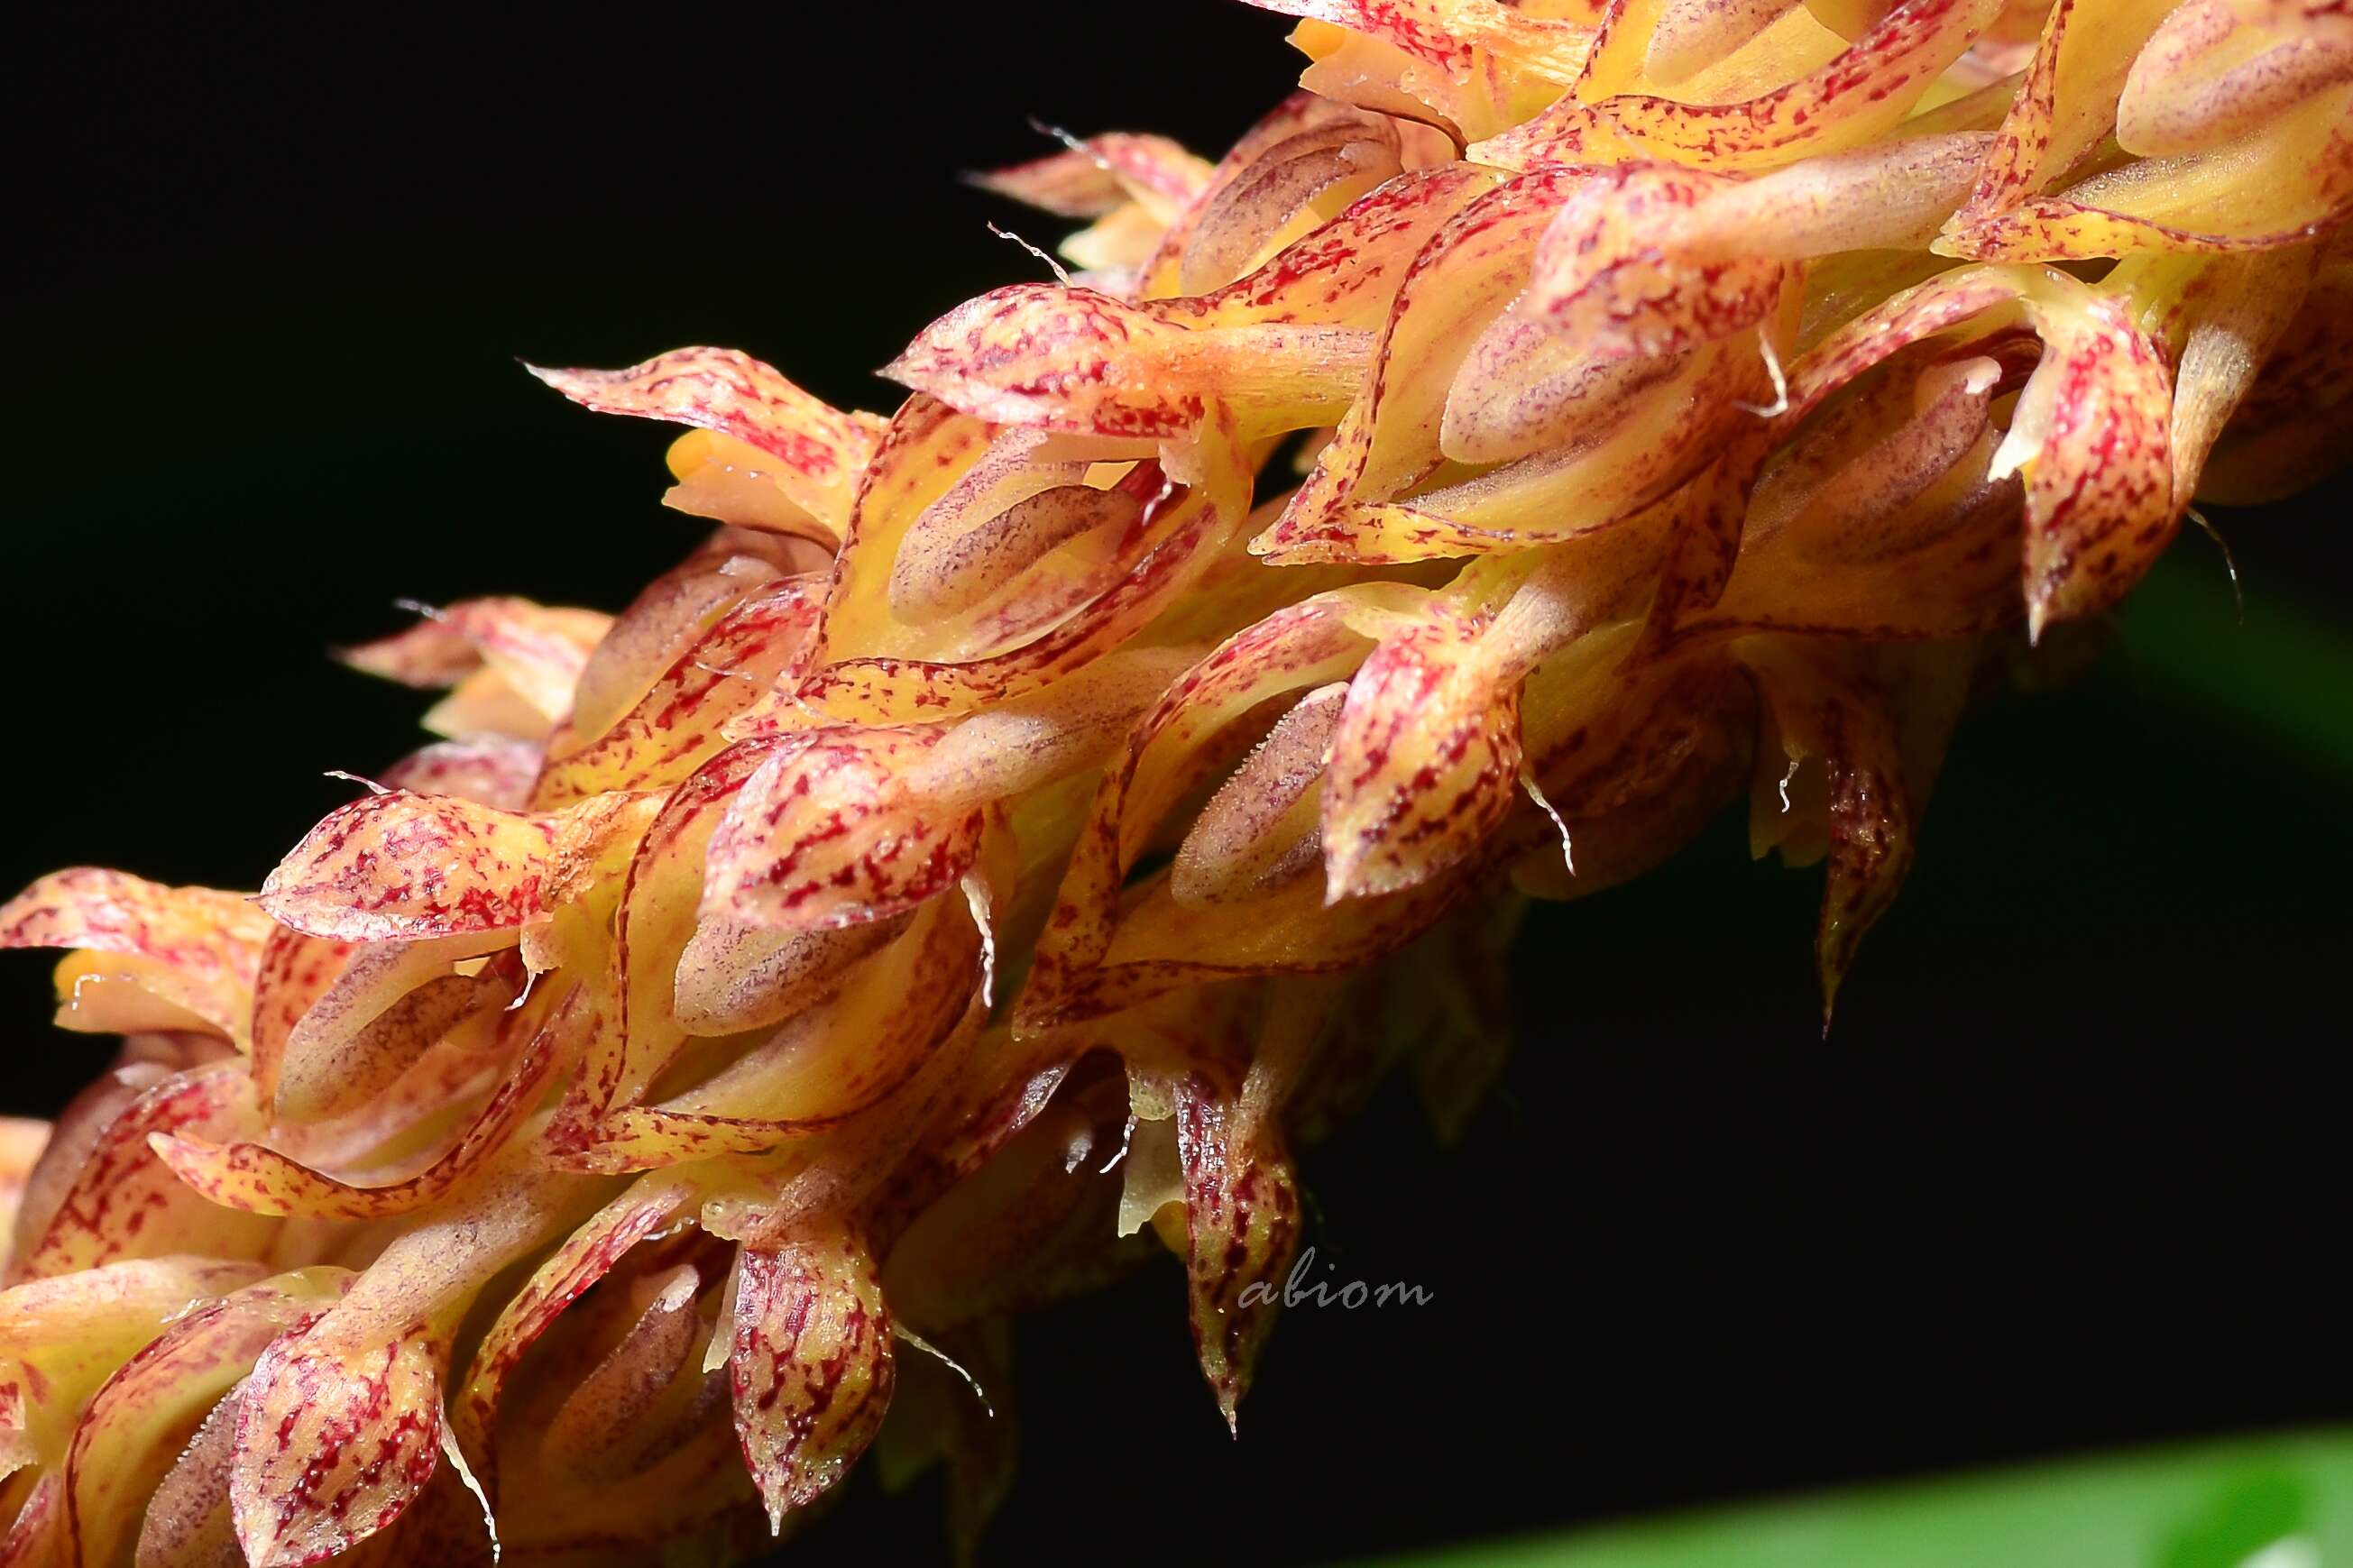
(2200, 201)
(584, 1256)
(810, 1364)
(2223, 320)
(193, 950)
(1055, 357)
(1551, 44)
(1460, 362)
(1388, 440)
(186, 1523)
(673, 612)
(1169, 755)
(2214, 71)
(489, 771)
(2291, 430)
(1346, 272)
(1472, 69)
(132, 1432)
(1605, 280)
(819, 450)
(399, 866)
(2090, 431)
(332, 1445)
(879, 669)
(2068, 101)
(60, 1339)
(1425, 761)
(1241, 1228)
(1020, 1210)
(1103, 949)
(121, 1202)
(660, 894)
(388, 1004)
(621, 1409)
(22, 1139)
(834, 1058)
(1882, 520)
(1877, 717)
(1298, 183)
(679, 725)
(1632, 760)
(530, 651)
(2092, 434)
(1098, 175)
(2145, 72)
(256, 1179)
(825, 834)
(1856, 98)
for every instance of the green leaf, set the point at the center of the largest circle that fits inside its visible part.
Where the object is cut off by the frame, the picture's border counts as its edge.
(2282, 1501)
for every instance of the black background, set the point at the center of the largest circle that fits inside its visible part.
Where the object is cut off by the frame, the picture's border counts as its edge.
(2069, 1173)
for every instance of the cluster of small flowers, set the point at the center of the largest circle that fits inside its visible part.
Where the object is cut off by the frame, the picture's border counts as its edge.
(1031, 816)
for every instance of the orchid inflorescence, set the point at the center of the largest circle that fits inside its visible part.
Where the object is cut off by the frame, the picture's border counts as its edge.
(964, 874)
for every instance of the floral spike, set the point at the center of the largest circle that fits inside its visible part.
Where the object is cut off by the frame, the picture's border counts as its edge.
(1021, 827)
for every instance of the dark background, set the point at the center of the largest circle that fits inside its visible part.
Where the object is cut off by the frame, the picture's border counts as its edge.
(2069, 1173)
